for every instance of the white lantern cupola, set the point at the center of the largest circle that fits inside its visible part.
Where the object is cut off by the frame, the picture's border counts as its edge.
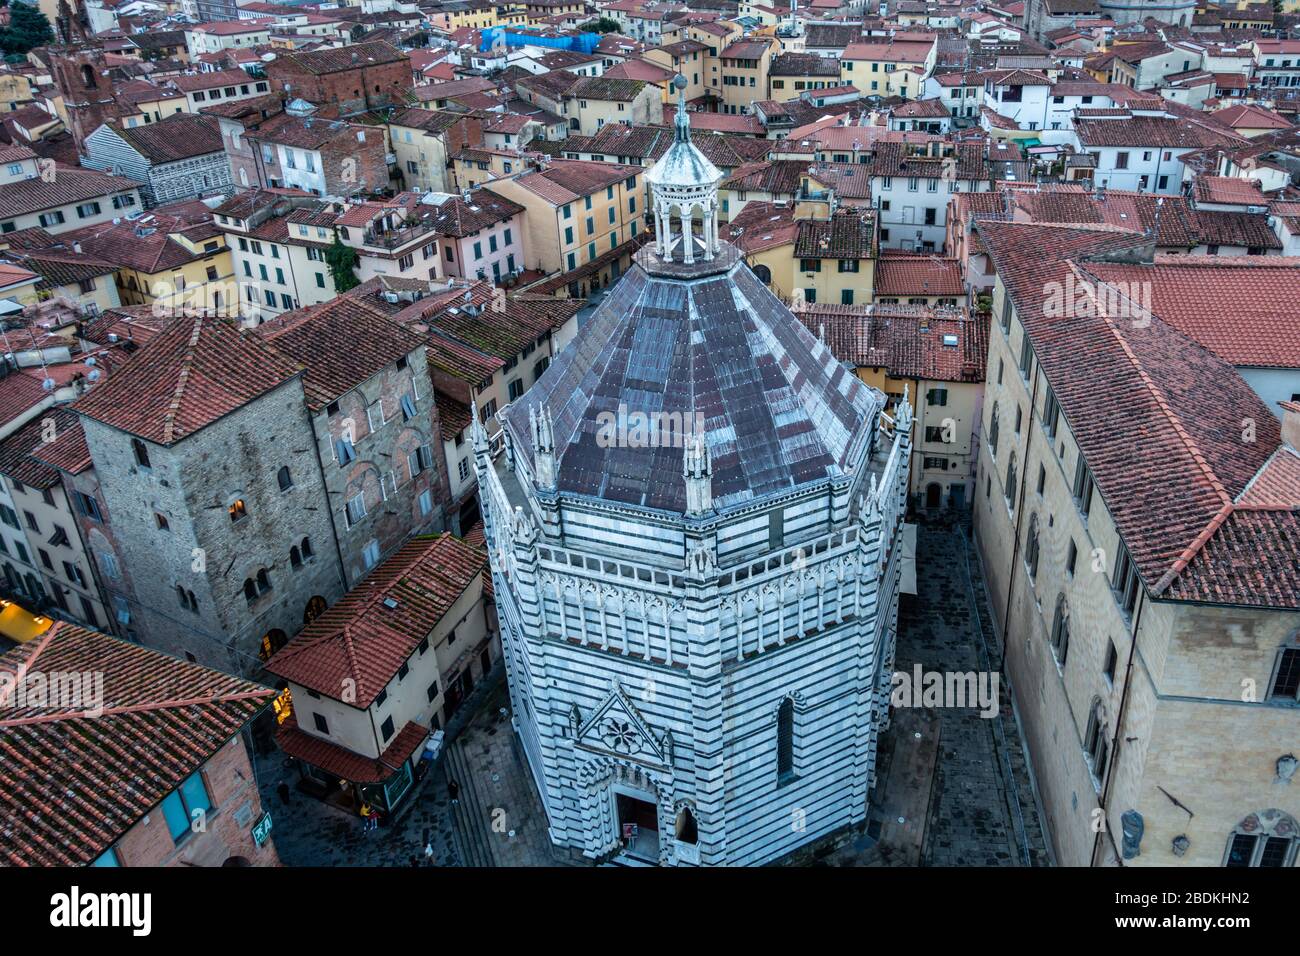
(681, 182)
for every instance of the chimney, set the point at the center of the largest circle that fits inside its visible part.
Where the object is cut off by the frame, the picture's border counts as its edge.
(1291, 423)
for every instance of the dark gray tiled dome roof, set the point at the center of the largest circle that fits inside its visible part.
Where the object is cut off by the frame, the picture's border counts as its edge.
(779, 412)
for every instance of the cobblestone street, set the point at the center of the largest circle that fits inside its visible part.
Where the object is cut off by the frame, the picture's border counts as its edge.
(943, 797)
(981, 811)
(497, 820)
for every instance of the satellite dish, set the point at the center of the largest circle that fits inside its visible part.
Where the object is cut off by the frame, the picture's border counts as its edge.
(48, 384)
(93, 375)
(92, 361)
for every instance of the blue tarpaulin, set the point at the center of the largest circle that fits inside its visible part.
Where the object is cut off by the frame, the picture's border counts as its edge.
(582, 43)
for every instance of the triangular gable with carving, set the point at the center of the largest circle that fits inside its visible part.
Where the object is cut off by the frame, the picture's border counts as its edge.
(616, 728)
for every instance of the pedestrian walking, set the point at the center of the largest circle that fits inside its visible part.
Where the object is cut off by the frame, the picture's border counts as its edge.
(283, 791)
(453, 791)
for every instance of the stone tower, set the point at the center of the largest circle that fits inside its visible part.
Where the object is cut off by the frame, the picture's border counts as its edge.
(694, 521)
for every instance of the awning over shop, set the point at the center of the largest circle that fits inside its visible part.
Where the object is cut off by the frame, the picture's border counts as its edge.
(346, 764)
(19, 624)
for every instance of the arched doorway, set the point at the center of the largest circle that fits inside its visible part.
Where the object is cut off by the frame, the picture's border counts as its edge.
(933, 495)
(315, 608)
(272, 641)
(763, 273)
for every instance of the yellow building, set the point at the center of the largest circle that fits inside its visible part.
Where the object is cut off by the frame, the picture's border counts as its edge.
(744, 73)
(577, 211)
(934, 358)
(151, 109)
(836, 258)
(173, 264)
(765, 233)
(421, 141)
(1144, 592)
(476, 165)
(16, 91)
(895, 67)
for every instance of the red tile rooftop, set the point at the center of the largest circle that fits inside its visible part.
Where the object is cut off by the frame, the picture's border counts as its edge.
(375, 628)
(71, 782)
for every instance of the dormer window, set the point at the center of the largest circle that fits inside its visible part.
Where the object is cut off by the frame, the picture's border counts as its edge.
(238, 510)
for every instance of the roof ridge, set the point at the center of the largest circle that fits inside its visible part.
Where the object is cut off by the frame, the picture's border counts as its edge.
(182, 380)
(1090, 288)
(135, 708)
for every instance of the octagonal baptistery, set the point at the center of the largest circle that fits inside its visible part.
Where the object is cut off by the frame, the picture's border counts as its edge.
(694, 521)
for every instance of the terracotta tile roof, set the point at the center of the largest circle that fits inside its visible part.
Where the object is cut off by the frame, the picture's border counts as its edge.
(456, 217)
(777, 177)
(192, 373)
(553, 85)
(131, 324)
(145, 244)
(303, 132)
(454, 415)
(346, 764)
(1277, 485)
(639, 70)
(746, 49)
(63, 267)
(1231, 228)
(72, 784)
(937, 345)
(1160, 131)
(742, 123)
(1242, 308)
(803, 64)
(339, 344)
(1246, 116)
(18, 450)
(173, 138)
(68, 450)
(500, 329)
(849, 234)
(890, 158)
(565, 180)
(461, 361)
(1157, 417)
(901, 51)
(336, 60)
(69, 186)
(188, 82)
(649, 143)
(363, 638)
(431, 121)
(607, 88)
(762, 225)
(18, 393)
(446, 91)
(917, 275)
(1228, 190)
(849, 180)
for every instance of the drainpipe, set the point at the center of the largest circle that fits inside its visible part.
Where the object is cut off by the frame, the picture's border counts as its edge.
(334, 531)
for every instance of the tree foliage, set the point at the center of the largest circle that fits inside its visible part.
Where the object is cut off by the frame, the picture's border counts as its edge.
(28, 28)
(342, 262)
(600, 25)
